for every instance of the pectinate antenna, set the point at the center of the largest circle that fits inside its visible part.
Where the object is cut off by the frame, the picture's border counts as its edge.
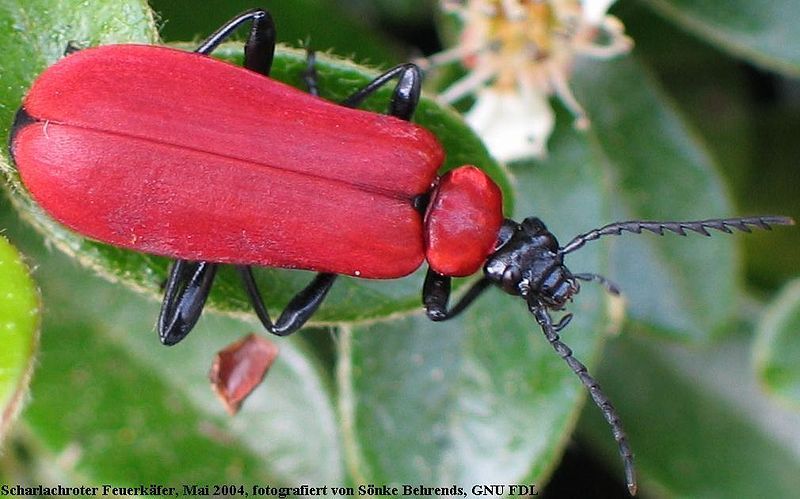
(680, 228)
(550, 330)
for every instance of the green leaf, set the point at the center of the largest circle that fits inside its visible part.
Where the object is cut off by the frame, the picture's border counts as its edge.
(483, 398)
(351, 299)
(657, 169)
(777, 348)
(19, 324)
(130, 410)
(764, 33)
(697, 422)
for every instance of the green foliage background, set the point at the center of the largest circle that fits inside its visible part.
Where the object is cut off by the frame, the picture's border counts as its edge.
(700, 121)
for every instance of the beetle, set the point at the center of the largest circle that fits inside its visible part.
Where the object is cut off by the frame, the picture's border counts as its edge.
(121, 143)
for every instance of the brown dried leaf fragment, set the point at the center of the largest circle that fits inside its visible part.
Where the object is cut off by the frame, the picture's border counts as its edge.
(239, 368)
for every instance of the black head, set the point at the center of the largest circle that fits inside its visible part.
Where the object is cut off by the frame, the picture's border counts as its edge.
(528, 262)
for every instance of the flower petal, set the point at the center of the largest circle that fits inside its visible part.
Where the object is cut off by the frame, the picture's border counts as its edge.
(513, 125)
(595, 10)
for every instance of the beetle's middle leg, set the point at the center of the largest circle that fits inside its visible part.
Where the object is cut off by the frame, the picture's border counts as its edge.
(310, 73)
(406, 93)
(299, 309)
(307, 301)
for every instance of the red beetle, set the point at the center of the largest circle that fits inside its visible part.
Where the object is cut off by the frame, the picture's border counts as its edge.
(177, 154)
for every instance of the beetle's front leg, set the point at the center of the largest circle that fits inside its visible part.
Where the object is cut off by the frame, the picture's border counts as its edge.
(299, 309)
(436, 294)
(259, 50)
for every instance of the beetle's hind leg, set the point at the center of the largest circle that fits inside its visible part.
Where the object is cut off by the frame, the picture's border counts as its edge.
(186, 291)
(259, 50)
(406, 93)
(299, 309)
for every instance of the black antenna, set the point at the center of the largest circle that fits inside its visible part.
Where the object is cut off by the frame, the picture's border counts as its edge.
(680, 228)
(539, 311)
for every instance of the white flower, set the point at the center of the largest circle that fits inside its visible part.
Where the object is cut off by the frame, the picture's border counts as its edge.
(594, 11)
(519, 53)
(511, 124)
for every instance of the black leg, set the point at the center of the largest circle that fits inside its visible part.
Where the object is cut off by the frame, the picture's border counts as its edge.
(310, 74)
(436, 294)
(187, 288)
(71, 48)
(600, 399)
(406, 94)
(299, 309)
(259, 49)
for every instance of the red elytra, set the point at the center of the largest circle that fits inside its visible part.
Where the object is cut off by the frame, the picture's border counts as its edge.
(177, 154)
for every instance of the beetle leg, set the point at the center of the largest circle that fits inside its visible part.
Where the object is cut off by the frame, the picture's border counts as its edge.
(406, 92)
(71, 48)
(259, 49)
(436, 294)
(310, 73)
(299, 309)
(187, 288)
